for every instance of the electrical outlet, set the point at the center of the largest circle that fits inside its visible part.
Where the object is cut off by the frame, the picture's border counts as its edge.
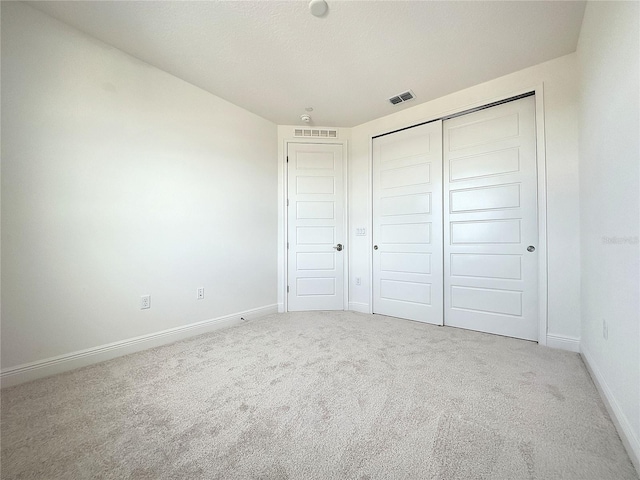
(361, 231)
(200, 293)
(145, 302)
(605, 329)
(358, 281)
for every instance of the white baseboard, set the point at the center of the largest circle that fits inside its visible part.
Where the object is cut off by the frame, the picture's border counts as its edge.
(81, 358)
(359, 307)
(563, 342)
(620, 420)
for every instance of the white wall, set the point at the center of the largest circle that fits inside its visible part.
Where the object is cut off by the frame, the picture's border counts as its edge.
(120, 180)
(559, 77)
(608, 53)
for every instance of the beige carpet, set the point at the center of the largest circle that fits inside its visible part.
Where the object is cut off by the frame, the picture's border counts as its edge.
(318, 396)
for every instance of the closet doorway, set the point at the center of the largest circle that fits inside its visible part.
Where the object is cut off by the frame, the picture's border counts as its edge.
(455, 225)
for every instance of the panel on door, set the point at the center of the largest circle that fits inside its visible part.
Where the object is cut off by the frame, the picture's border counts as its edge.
(490, 218)
(407, 224)
(315, 193)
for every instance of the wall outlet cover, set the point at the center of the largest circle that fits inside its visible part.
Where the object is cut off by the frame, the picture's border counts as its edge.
(145, 302)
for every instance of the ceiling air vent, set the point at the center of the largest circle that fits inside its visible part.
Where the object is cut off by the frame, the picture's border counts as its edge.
(403, 97)
(315, 133)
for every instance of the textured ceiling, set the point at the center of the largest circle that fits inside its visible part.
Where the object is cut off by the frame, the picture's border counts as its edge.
(274, 58)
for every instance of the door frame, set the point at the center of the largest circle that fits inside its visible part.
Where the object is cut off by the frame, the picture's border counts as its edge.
(283, 180)
(541, 166)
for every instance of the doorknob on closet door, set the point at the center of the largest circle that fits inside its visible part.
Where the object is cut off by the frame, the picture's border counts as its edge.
(375, 247)
(531, 248)
(338, 247)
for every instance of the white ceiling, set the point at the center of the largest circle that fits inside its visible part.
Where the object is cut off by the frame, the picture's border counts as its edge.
(274, 58)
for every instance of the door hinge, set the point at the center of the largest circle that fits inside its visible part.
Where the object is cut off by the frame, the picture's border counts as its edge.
(287, 202)
(287, 158)
(287, 288)
(287, 245)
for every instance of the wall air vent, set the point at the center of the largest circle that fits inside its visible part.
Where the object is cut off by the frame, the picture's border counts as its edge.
(403, 97)
(315, 133)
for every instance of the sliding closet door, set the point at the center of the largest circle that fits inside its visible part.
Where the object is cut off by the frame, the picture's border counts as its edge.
(407, 224)
(490, 218)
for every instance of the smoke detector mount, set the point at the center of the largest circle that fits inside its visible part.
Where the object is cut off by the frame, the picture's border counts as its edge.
(318, 8)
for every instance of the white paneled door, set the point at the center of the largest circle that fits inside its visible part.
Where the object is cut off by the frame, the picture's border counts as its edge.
(490, 218)
(407, 224)
(316, 230)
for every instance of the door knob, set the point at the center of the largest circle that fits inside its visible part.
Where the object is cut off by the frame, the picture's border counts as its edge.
(375, 247)
(338, 247)
(531, 248)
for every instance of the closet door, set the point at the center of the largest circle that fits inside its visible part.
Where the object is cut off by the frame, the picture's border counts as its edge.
(407, 224)
(490, 218)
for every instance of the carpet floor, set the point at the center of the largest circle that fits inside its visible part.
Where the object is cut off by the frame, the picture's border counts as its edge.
(324, 395)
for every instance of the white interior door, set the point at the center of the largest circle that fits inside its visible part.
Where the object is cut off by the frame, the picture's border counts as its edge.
(316, 231)
(407, 224)
(490, 218)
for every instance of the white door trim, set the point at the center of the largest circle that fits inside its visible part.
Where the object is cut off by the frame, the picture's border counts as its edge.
(282, 201)
(541, 159)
